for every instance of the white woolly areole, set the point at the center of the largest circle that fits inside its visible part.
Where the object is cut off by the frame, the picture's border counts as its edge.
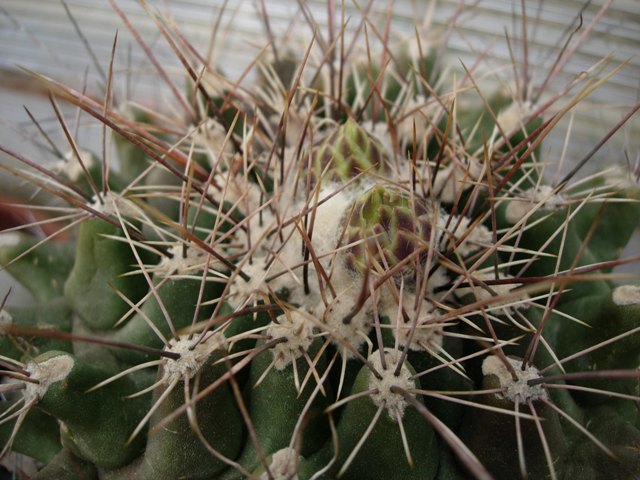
(298, 330)
(436, 280)
(192, 355)
(354, 331)
(418, 110)
(452, 227)
(327, 226)
(427, 334)
(518, 208)
(46, 373)
(211, 137)
(296, 120)
(9, 239)
(285, 269)
(234, 188)
(284, 465)
(499, 306)
(626, 295)
(193, 262)
(621, 177)
(70, 166)
(112, 203)
(393, 402)
(455, 178)
(512, 117)
(6, 320)
(517, 390)
(242, 289)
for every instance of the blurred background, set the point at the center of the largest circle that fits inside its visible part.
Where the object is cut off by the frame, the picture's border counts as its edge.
(51, 37)
(71, 41)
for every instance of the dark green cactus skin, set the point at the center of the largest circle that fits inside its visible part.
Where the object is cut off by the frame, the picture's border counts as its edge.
(382, 452)
(566, 245)
(179, 297)
(175, 450)
(605, 319)
(442, 379)
(276, 406)
(589, 462)
(54, 315)
(98, 271)
(38, 437)
(66, 466)
(493, 438)
(94, 307)
(94, 425)
(42, 269)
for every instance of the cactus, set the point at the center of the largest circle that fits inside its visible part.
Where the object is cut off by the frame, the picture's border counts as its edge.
(376, 283)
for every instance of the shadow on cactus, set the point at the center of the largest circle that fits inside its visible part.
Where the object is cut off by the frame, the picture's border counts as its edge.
(353, 268)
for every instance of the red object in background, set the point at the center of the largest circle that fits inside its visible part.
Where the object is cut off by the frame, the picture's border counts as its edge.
(15, 213)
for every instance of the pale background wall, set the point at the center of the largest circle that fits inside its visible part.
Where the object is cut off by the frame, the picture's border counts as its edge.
(38, 34)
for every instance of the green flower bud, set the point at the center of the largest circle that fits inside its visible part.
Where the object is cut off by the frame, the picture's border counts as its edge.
(386, 227)
(348, 151)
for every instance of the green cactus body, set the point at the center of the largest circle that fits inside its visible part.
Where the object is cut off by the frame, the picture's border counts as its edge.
(553, 233)
(95, 425)
(39, 435)
(589, 462)
(66, 466)
(99, 270)
(174, 305)
(175, 449)
(276, 406)
(494, 439)
(384, 409)
(42, 270)
(607, 316)
(53, 316)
